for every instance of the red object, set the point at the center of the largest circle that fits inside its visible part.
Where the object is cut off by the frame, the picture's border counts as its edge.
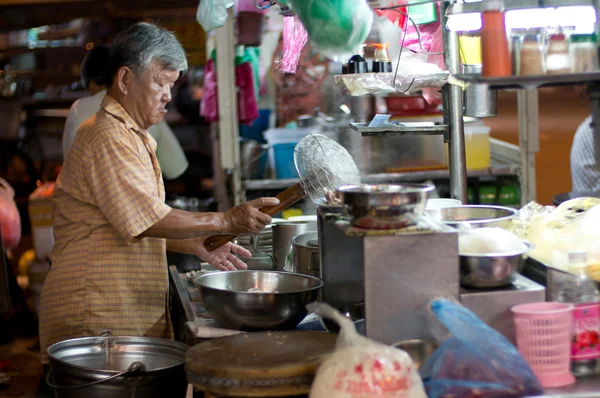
(413, 105)
(10, 220)
(247, 106)
(209, 107)
(494, 45)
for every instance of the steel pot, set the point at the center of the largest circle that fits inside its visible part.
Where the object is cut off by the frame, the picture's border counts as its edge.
(384, 206)
(117, 367)
(283, 234)
(253, 155)
(306, 258)
(477, 216)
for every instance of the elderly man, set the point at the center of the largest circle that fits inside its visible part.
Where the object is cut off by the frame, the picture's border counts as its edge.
(169, 152)
(111, 224)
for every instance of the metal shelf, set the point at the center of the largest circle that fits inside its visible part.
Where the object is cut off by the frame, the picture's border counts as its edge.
(497, 169)
(531, 82)
(464, 8)
(396, 128)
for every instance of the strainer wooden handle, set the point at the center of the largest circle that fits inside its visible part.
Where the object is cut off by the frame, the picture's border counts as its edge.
(286, 199)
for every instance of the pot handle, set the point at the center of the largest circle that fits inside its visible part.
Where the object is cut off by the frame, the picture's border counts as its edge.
(134, 367)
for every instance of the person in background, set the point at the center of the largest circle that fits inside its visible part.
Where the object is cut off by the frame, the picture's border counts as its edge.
(171, 157)
(585, 158)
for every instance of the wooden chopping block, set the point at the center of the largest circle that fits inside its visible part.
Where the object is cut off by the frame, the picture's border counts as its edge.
(262, 364)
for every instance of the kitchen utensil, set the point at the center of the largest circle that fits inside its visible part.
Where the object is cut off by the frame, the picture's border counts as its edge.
(95, 367)
(418, 350)
(257, 300)
(476, 216)
(253, 155)
(263, 364)
(322, 165)
(479, 100)
(544, 339)
(384, 206)
(306, 255)
(491, 270)
(283, 234)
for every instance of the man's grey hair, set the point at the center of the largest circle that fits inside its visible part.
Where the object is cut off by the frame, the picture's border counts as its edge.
(140, 44)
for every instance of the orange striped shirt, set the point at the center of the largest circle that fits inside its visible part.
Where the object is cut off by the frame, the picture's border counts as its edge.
(109, 191)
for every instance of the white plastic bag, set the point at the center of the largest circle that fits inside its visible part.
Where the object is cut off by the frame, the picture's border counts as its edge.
(360, 367)
(212, 14)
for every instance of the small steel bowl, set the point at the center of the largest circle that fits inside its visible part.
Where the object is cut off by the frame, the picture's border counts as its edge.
(491, 269)
(383, 206)
(418, 350)
(477, 216)
(257, 300)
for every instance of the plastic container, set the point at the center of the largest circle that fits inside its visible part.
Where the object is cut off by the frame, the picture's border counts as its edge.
(543, 332)
(583, 51)
(557, 56)
(477, 146)
(532, 56)
(281, 154)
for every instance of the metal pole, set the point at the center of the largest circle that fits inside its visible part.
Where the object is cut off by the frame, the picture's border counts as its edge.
(529, 141)
(453, 114)
(228, 112)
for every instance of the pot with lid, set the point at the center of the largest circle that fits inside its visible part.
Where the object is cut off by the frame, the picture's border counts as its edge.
(117, 367)
(305, 254)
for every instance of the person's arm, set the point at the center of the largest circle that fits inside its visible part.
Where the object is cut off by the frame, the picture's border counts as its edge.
(224, 258)
(180, 224)
(169, 152)
(71, 126)
(127, 198)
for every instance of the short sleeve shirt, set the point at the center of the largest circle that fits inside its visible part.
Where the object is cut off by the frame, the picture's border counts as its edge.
(103, 276)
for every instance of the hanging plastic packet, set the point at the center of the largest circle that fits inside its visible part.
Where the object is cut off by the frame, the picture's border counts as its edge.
(212, 14)
(337, 28)
(294, 40)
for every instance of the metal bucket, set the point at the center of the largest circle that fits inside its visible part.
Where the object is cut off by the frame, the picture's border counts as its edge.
(117, 367)
(283, 234)
(479, 99)
(306, 255)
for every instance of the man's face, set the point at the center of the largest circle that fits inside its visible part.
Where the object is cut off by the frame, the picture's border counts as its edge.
(150, 92)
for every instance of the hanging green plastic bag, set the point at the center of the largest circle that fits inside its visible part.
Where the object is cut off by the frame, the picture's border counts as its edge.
(337, 28)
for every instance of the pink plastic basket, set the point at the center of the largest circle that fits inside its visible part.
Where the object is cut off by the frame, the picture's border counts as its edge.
(544, 339)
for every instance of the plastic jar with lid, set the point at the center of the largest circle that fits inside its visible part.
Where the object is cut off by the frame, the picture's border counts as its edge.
(532, 56)
(557, 57)
(494, 44)
(583, 50)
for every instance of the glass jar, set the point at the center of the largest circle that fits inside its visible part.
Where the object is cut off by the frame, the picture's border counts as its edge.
(557, 57)
(583, 50)
(531, 59)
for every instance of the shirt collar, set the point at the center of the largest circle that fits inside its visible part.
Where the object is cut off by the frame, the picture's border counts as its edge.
(113, 107)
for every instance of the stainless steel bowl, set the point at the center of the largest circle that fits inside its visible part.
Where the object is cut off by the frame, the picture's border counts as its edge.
(491, 270)
(477, 216)
(418, 350)
(383, 206)
(257, 300)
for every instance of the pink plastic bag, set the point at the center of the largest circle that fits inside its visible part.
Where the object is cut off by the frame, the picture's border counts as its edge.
(209, 107)
(249, 6)
(433, 95)
(294, 40)
(247, 106)
(10, 220)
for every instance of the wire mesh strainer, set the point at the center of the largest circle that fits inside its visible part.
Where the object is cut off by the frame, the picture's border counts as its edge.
(322, 165)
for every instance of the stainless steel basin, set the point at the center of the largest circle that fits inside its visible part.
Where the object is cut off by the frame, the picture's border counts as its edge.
(257, 300)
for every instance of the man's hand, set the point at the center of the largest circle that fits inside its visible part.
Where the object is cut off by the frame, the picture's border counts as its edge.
(247, 217)
(224, 258)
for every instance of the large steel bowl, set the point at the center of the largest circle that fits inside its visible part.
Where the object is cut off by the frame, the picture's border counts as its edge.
(383, 206)
(477, 216)
(257, 300)
(493, 269)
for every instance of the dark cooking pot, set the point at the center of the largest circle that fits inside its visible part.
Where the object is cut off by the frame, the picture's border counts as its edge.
(117, 367)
